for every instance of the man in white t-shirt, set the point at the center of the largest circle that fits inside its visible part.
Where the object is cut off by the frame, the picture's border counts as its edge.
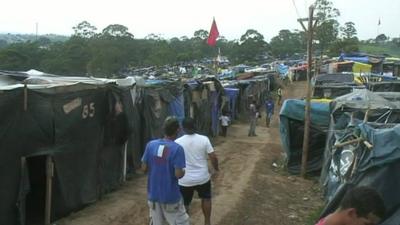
(197, 150)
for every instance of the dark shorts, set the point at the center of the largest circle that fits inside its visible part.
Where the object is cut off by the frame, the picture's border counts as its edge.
(203, 190)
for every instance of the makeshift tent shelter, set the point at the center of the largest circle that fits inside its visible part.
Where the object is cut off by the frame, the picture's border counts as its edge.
(203, 101)
(362, 148)
(332, 85)
(299, 71)
(372, 61)
(257, 88)
(331, 91)
(384, 86)
(391, 67)
(359, 165)
(61, 137)
(292, 130)
(232, 95)
(331, 78)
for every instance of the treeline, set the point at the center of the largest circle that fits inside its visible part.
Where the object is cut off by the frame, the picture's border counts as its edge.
(107, 52)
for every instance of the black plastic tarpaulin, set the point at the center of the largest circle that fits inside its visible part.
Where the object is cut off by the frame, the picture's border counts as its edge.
(357, 165)
(79, 127)
(374, 120)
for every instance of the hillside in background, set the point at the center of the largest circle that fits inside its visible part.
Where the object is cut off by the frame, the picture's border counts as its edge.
(389, 48)
(18, 38)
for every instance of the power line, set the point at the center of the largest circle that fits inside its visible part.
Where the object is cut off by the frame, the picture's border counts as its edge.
(297, 11)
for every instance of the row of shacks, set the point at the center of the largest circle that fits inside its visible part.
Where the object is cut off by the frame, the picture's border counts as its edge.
(354, 137)
(67, 141)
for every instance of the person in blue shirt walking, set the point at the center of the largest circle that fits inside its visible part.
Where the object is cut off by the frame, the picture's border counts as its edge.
(269, 111)
(164, 160)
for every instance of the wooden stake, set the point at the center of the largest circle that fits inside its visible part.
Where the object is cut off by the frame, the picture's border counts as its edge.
(25, 96)
(49, 179)
(124, 162)
(307, 113)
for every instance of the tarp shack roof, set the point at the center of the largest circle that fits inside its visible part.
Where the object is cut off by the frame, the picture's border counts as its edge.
(364, 99)
(361, 57)
(334, 78)
(37, 80)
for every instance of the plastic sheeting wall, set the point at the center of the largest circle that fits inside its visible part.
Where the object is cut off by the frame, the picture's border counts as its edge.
(292, 132)
(71, 125)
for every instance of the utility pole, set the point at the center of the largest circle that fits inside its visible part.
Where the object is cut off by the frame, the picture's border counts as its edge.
(307, 114)
(37, 28)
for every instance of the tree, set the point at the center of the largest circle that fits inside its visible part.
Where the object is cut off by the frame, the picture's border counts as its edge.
(69, 58)
(116, 30)
(344, 45)
(381, 38)
(201, 34)
(287, 43)
(84, 30)
(328, 28)
(21, 56)
(396, 41)
(43, 41)
(348, 30)
(13, 60)
(252, 46)
(154, 36)
(3, 43)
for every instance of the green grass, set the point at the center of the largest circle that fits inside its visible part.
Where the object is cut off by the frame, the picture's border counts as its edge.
(379, 49)
(313, 217)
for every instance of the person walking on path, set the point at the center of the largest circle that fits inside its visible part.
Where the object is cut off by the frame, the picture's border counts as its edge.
(253, 119)
(197, 149)
(164, 160)
(269, 111)
(224, 123)
(279, 93)
(361, 205)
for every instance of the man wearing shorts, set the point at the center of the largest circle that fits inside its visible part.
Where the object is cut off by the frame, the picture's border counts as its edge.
(197, 177)
(165, 162)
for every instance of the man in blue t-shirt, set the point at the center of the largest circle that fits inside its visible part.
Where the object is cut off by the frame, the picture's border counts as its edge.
(165, 162)
(269, 111)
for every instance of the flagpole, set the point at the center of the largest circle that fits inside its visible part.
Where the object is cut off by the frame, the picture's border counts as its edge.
(212, 39)
(377, 29)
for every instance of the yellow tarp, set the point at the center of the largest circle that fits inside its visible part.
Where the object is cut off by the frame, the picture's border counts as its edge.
(321, 100)
(361, 68)
(358, 69)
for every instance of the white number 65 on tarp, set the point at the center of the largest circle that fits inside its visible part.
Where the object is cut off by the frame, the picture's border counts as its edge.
(88, 110)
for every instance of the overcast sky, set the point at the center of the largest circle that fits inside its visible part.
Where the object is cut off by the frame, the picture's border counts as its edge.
(176, 18)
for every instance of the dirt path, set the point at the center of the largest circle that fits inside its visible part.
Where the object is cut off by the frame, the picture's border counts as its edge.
(248, 190)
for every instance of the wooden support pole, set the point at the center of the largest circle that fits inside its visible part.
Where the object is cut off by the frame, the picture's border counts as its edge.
(308, 98)
(49, 186)
(25, 96)
(369, 145)
(339, 145)
(366, 116)
(124, 164)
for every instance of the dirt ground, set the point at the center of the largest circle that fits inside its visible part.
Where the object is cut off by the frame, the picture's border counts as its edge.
(252, 187)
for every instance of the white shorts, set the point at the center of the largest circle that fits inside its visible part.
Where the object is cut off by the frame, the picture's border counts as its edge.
(174, 214)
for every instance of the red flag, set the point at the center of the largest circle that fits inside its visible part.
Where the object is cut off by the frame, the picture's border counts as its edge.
(212, 37)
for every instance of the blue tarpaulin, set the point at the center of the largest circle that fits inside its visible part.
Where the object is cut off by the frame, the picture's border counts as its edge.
(294, 109)
(176, 107)
(283, 70)
(364, 59)
(232, 94)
